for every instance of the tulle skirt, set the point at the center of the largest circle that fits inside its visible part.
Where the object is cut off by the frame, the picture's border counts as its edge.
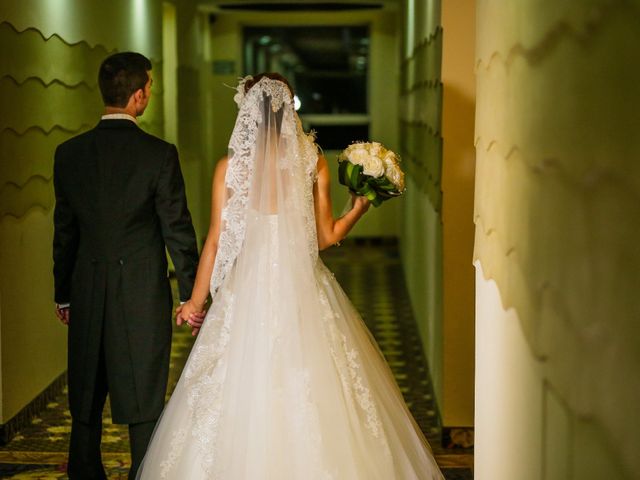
(285, 382)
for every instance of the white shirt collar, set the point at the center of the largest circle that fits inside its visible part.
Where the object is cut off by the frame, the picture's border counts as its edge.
(119, 116)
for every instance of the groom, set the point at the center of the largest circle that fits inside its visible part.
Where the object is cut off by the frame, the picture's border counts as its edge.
(120, 201)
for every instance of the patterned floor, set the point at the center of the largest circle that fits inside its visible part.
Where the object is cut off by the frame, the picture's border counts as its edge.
(374, 282)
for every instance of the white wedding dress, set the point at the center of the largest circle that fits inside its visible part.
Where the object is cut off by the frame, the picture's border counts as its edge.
(284, 381)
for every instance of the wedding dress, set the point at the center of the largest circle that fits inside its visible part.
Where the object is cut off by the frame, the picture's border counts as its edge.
(284, 380)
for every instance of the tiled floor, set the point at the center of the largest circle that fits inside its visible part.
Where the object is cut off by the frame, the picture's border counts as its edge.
(372, 277)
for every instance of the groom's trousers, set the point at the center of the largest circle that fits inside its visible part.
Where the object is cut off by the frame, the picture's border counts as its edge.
(85, 460)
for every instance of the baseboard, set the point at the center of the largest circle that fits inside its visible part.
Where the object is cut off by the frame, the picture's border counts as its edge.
(457, 437)
(24, 417)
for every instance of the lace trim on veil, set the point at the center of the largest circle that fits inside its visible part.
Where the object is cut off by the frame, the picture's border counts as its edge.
(240, 170)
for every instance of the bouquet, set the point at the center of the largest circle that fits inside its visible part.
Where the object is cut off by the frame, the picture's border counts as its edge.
(371, 170)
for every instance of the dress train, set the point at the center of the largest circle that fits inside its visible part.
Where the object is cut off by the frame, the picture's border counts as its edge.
(285, 382)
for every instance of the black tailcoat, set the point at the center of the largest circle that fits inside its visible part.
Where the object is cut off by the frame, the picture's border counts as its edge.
(119, 201)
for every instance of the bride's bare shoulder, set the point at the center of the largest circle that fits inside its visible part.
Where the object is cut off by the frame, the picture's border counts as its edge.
(222, 163)
(323, 167)
(219, 173)
(221, 168)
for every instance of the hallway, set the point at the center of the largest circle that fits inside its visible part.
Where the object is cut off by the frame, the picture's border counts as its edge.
(502, 285)
(337, 56)
(39, 449)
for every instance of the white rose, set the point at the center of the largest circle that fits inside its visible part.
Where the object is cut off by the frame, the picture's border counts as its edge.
(395, 175)
(390, 159)
(373, 166)
(358, 156)
(375, 149)
(389, 164)
(346, 153)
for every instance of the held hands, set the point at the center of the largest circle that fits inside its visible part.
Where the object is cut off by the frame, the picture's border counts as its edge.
(191, 314)
(187, 313)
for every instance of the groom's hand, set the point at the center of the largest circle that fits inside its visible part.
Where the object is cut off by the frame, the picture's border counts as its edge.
(63, 314)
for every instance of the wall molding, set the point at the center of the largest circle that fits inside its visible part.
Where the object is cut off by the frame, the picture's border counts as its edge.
(561, 31)
(35, 207)
(589, 180)
(10, 184)
(47, 84)
(425, 42)
(97, 46)
(434, 83)
(82, 127)
(435, 133)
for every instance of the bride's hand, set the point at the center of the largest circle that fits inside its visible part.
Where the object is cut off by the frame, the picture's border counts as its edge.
(362, 204)
(191, 314)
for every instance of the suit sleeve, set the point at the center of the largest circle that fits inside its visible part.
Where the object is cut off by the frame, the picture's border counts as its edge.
(175, 221)
(65, 238)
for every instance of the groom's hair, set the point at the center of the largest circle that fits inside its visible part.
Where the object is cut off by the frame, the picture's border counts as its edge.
(121, 75)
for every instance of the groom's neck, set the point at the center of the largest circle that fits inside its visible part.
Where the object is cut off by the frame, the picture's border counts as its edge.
(127, 110)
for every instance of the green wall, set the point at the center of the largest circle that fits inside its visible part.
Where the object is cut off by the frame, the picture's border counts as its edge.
(421, 143)
(193, 110)
(48, 92)
(557, 215)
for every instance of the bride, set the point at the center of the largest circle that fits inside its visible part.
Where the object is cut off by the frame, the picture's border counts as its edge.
(284, 380)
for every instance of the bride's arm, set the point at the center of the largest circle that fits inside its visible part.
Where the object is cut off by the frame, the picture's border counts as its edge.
(330, 230)
(200, 291)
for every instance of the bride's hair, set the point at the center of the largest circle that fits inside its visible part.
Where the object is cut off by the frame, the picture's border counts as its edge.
(272, 75)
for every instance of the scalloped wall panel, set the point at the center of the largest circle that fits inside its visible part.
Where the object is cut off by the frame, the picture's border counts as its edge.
(557, 210)
(116, 24)
(28, 154)
(420, 118)
(48, 93)
(17, 199)
(35, 104)
(74, 63)
(436, 125)
(421, 109)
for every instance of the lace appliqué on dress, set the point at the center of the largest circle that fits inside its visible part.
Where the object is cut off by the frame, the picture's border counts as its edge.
(177, 444)
(347, 362)
(203, 376)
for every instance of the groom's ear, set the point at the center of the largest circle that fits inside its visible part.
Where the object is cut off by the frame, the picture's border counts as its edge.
(138, 95)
